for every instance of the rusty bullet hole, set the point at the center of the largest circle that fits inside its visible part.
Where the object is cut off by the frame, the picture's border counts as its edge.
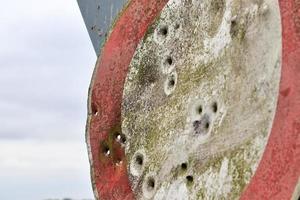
(215, 107)
(190, 179)
(183, 166)
(119, 162)
(120, 138)
(150, 184)
(94, 109)
(163, 31)
(105, 149)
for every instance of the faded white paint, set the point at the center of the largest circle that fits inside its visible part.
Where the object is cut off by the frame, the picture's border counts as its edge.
(228, 52)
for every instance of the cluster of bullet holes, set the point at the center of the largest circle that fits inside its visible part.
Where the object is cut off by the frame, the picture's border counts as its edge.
(110, 148)
(202, 125)
(138, 160)
(189, 178)
(168, 62)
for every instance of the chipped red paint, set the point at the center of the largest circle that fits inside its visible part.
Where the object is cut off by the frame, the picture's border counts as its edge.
(110, 177)
(279, 170)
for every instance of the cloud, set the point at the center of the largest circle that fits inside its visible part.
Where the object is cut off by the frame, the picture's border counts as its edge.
(38, 170)
(46, 62)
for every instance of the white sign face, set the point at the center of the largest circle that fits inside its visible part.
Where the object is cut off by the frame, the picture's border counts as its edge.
(200, 98)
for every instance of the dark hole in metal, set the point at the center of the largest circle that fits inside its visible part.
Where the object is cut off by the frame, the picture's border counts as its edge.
(105, 149)
(201, 126)
(171, 82)
(151, 183)
(207, 125)
(163, 31)
(215, 107)
(200, 109)
(190, 179)
(183, 166)
(121, 138)
(169, 61)
(94, 109)
(139, 160)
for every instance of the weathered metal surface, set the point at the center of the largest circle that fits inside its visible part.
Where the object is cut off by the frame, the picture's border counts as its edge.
(279, 170)
(108, 163)
(201, 92)
(99, 16)
(199, 102)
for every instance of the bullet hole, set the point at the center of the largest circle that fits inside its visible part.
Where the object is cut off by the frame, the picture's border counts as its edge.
(163, 31)
(137, 164)
(197, 125)
(207, 125)
(215, 107)
(199, 110)
(121, 138)
(150, 184)
(169, 61)
(94, 109)
(170, 83)
(190, 179)
(168, 64)
(201, 126)
(234, 27)
(184, 166)
(139, 160)
(105, 149)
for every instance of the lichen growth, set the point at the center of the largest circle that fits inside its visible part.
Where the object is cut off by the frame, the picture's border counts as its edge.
(214, 61)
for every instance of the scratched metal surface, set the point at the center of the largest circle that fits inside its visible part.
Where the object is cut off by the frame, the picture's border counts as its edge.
(98, 16)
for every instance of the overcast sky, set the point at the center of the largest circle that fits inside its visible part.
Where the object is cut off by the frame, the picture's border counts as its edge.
(46, 61)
